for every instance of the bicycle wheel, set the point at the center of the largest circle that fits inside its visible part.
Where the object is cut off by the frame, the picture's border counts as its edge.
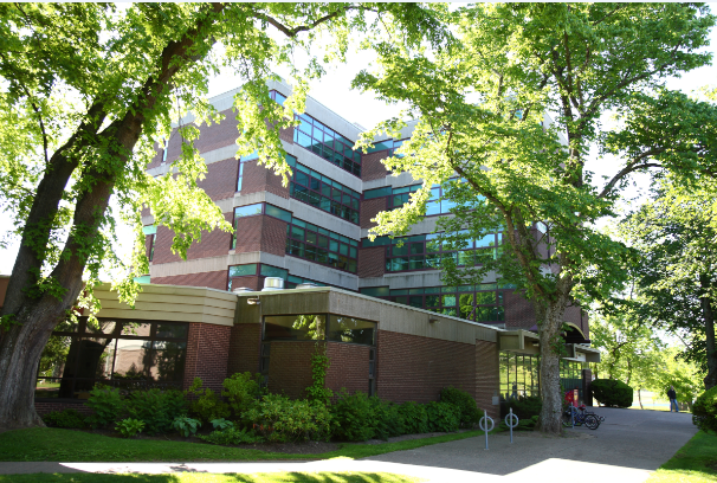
(567, 422)
(592, 422)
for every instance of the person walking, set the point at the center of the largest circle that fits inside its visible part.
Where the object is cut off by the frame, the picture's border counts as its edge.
(673, 399)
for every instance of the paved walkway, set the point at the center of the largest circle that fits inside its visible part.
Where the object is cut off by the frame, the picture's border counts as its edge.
(625, 449)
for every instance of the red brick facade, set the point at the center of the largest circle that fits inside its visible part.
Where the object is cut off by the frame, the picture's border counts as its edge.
(215, 243)
(371, 167)
(207, 354)
(256, 179)
(221, 179)
(244, 348)
(290, 367)
(216, 280)
(486, 376)
(519, 312)
(369, 210)
(349, 367)
(371, 262)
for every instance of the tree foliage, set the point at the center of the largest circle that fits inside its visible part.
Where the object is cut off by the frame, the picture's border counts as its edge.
(480, 109)
(675, 279)
(86, 93)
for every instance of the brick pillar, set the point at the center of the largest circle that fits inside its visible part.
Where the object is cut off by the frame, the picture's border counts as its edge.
(207, 354)
(487, 377)
(587, 390)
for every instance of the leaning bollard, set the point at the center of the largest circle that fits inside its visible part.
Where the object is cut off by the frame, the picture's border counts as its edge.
(483, 425)
(511, 420)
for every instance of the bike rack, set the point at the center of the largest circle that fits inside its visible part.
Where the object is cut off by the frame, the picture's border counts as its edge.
(483, 425)
(511, 420)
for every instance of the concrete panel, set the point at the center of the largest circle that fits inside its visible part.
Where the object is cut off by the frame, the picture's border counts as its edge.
(147, 220)
(344, 304)
(317, 163)
(197, 265)
(291, 302)
(313, 271)
(165, 315)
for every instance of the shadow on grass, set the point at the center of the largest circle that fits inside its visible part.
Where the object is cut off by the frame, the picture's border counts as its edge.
(210, 478)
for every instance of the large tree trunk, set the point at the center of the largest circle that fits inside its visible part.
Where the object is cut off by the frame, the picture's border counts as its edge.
(20, 350)
(35, 316)
(550, 333)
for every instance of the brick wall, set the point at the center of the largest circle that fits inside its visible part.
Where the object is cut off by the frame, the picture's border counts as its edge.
(217, 135)
(371, 167)
(415, 368)
(487, 376)
(371, 262)
(287, 135)
(214, 243)
(248, 232)
(349, 367)
(244, 347)
(216, 280)
(369, 210)
(273, 235)
(256, 178)
(290, 368)
(221, 179)
(519, 312)
(254, 283)
(207, 354)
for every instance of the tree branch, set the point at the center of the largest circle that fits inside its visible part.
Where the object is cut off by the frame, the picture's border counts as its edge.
(634, 165)
(293, 32)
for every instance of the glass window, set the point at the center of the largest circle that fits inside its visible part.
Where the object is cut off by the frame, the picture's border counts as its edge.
(272, 210)
(295, 327)
(100, 352)
(242, 270)
(348, 329)
(249, 210)
(323, 141)
(269, 271)
(377, 193)
(375, 291)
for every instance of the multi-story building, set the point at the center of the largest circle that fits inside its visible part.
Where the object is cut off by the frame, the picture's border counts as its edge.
(392, 328)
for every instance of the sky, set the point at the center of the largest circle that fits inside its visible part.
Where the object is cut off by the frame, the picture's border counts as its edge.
(333, 90)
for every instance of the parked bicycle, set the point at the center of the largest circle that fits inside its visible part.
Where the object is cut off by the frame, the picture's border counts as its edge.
(579, 416)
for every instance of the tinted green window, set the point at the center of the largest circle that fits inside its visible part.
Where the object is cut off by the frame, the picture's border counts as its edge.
(242, 270)
(249, 210)
(278, 213)
(375, 291)
(269, 271)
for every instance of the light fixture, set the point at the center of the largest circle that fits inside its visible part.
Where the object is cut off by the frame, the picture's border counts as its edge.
(432, 321)
(253, 301)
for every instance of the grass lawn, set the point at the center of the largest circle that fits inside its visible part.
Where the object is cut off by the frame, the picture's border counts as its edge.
(695, 462)
(212, 478)
(53, 444)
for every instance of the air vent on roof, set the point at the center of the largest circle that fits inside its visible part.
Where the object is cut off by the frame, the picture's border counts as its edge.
(307, 285)
(273, 283)
(242, 290)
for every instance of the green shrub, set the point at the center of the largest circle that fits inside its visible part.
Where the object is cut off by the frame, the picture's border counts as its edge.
(414, 417)
(129, 427)
(443, 416)
(525, 407)
(352, 416)
(221, 424)
(207, 405)
(242, 391)
(107, 403)
(386, 419)
(280, 419)
(611, 392)
(156, 408)
(67, 418)
(231, 436)
(470, 413)
(704, 411)
(317, 391)
(186, 426)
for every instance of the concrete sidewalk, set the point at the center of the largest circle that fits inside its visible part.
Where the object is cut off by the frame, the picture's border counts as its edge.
(626, 448)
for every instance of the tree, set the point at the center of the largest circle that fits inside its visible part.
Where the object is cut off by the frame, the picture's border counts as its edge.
(87, 91)
(676, 278)
(630, 352)
(480, 107)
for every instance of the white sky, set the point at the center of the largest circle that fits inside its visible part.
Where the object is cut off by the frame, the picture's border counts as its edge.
(333, 90)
